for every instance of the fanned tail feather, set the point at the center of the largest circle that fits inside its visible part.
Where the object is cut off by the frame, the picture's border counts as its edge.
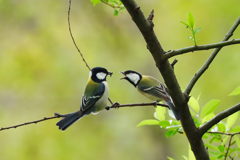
(174, 110)
(68, 120)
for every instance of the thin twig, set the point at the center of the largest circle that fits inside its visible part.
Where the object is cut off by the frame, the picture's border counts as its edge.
(173, 63)
(32, 122)
(200, 47)
(69, 27)
(228, 147)
(57, 115)
(227, 134)
(151, 15)
(210, 59)
(139, 104)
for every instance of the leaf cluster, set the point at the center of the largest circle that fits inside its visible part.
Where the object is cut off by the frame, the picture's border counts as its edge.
(222, 139)
(191, 25)
(117, 5)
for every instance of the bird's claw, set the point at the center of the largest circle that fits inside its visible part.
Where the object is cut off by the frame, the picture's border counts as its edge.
(155, 104)
(116, 105)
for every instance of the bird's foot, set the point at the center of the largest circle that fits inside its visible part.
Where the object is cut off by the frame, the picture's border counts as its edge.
(155, 104)
(115, 105)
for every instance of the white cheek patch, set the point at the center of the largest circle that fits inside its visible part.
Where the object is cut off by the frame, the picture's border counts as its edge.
(133, 77)
(101, 75)
(90, 73)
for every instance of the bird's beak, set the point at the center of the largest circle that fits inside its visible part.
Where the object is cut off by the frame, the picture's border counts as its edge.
(110, 73)
(124, 75)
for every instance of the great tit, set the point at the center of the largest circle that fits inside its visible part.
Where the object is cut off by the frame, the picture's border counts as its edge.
(95, 97)
(151, 88)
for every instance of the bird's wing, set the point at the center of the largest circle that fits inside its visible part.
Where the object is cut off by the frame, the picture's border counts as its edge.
(156, 91)
(90, 100)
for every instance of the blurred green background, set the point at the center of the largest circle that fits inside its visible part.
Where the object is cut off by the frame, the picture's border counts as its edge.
(41, 72)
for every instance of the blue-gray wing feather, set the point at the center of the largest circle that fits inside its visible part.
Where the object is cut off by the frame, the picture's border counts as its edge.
(90, 101)
(157, 91)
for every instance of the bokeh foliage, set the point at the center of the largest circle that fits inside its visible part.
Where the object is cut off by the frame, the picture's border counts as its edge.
(42, 73)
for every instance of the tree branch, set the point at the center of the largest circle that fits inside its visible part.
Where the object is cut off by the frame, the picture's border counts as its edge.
(210, 59)
(146, 28)
(218, 118)
(57, 115)
(200, 47)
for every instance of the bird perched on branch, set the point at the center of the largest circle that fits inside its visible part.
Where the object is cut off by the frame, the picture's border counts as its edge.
(151, 88)
(94, 99)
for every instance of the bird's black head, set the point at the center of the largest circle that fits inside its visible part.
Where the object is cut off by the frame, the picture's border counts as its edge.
(99, 74)
(132, 76)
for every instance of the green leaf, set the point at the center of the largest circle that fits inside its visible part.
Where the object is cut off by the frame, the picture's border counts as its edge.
(95, 2)
(213, 158)
(185, 24)
(148, 122)
(231, 150)
(237, 140)
(215, 139)
(164, 124)
(208, 117)
(115, 13)
(235, 92)
(205, 136)
(194, 104)
(231, 120)
(211, 146)
(221, 148)
(209, 107)
(169, 133)
(160, 113)
(185, 157)
(232, 143)
(214, 152)
(114, 2)
(225, 140)
(121, 8)
(170, 113)
(197, 30)
(175, 131)
(221, 127)
(190, 20)
(174, 126)
(220, 156)
(235, 129)
(198, 97)
(170, 158)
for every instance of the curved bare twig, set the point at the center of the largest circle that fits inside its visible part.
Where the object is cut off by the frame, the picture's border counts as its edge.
(69, 27)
